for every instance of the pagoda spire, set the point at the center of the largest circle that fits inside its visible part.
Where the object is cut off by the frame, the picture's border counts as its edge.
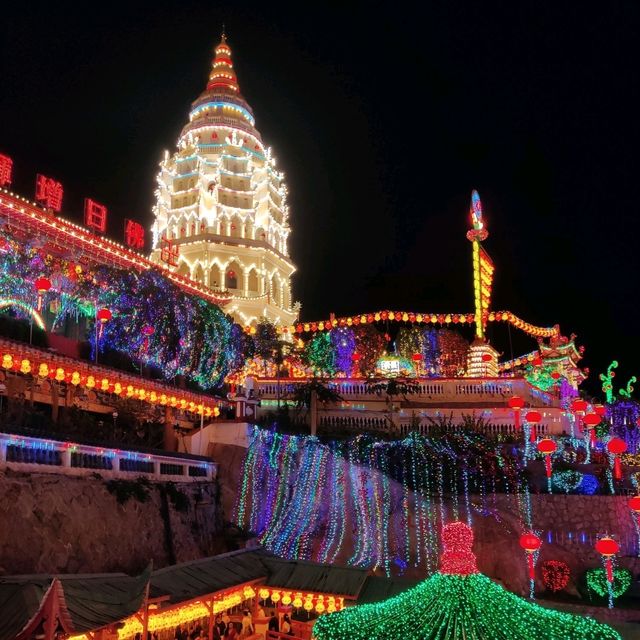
(222, 76)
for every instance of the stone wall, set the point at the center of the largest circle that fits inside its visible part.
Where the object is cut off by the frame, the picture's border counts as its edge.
(54, 523)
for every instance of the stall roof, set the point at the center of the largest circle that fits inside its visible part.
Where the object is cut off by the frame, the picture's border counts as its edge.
(310, 576)
(377, 589)
(87, 601)
(197, 578)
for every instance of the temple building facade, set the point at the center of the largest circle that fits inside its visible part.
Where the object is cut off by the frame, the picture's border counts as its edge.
(221, 215)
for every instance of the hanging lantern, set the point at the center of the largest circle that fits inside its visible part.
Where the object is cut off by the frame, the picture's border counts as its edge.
(533, 418)
(103, 316)
(308, 605)
(275, 596)
(547, 447)
(607, 547)
(320, 606)
(417, 357)
(537, 361)
(516, 403)
(42, 285)
(634, 505)
(600, 409)
(286, 598)
(591, 420)
(616, 447)
(263, 593)
(486, 357)
(578, 406)
(530, 543)
(297, 601)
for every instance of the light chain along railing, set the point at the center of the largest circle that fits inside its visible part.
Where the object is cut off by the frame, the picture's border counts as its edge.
(39, 454)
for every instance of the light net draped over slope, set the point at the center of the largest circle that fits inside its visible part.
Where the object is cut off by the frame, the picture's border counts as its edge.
(452, 607)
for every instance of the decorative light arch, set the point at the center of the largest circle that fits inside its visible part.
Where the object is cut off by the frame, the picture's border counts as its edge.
(12, 302)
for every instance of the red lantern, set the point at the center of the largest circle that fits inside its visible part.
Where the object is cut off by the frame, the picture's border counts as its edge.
(578, 405)
(530, 543)
(533, 418)
(355, 356)
(591, 420)
(42, 285)
(537, 361)
(555, 375)
(634, 505)
(486, 357)
(516, 403)
(547, 447)
(416, 357)
(607, 547)
(148, 330)
(601, 410)
(616, 447)
(104, 315)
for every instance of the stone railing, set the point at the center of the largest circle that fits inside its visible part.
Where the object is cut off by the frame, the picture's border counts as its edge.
(25, 453)
(436, 391)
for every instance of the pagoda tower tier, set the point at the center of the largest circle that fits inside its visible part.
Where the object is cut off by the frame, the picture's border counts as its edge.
(221, 214)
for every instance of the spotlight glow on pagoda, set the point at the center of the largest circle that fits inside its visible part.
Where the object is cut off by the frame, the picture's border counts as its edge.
(221, 216)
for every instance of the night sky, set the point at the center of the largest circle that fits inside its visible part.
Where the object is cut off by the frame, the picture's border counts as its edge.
(384, 117)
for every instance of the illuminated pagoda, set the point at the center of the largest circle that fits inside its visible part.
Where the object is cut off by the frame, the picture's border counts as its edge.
(457, 603)
(221, 216)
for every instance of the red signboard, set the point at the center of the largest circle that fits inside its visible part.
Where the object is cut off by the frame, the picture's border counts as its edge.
(169, 252)
(95, 215)
(133, 234)
(6, 168)
(49, 193)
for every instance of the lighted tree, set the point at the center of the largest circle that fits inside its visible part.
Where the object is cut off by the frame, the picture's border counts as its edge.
(410, 340)
(344, 344)
(320, 354)
(453, 350)
(370, 346)
(458, 603)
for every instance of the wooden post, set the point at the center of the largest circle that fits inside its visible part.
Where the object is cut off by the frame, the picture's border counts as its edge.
(209, 607)
(170, 440)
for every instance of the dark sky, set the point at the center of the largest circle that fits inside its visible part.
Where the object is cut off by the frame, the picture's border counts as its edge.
(384, 117)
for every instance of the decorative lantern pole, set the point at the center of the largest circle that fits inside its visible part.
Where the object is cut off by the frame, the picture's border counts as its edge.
(516, 403)
(533, 418)
(355, 358)
(547, 447)
(417, 360)
(591, 421)
(607, 547)
(634, 505)
(531, 544)
(578, 407)
(616, 447)
(42, 285)
(102, 317)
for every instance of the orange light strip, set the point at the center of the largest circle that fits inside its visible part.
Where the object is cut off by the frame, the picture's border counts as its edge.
(421, 318)
(30, 361)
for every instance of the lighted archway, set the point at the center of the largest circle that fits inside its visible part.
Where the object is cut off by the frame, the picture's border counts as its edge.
(11, 302)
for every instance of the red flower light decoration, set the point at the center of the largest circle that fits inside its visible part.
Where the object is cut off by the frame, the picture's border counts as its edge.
(555, 574)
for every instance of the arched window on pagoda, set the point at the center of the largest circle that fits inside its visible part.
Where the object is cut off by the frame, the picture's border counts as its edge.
(193, 228)
(232, 279)
(183, 231)
(203, 227)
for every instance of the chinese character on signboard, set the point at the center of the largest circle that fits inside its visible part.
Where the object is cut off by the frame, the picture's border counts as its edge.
(169, 252)
(6, 167)
(95, 215)
(49, 193)
(133, 234)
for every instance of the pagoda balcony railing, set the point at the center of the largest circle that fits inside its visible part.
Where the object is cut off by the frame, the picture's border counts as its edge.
(429, 391)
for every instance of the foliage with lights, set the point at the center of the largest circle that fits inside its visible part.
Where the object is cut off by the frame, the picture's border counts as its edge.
(457, 603)
(149, 319)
